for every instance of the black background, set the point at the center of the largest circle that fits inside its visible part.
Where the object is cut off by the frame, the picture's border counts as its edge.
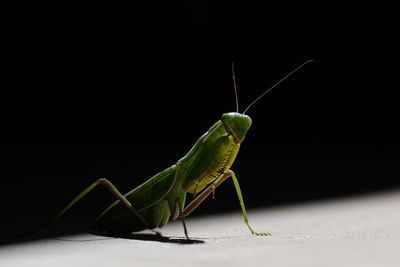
(124, 91)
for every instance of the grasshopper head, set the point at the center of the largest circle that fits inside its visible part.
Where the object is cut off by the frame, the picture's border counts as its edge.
(236, 124)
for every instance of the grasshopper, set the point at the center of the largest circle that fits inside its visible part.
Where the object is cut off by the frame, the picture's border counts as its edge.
(162, 197)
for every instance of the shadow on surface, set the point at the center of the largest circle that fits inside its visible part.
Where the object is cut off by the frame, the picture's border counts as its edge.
(157, 238)
(21, 238)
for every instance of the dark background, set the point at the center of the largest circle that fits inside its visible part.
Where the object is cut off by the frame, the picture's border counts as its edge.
(124, 91)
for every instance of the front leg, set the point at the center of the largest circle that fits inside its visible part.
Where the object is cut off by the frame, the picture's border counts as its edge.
(198, 200)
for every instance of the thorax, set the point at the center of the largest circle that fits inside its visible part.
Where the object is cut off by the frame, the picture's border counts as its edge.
(214, 158)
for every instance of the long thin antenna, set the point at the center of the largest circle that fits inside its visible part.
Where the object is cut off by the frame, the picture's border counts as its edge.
(234, 84)
(281, 80)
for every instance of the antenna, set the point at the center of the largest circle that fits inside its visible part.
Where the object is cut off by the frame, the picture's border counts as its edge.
(273, 86)
(234, 85)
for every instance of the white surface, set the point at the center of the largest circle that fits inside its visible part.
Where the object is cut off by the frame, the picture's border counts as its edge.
(362, 231)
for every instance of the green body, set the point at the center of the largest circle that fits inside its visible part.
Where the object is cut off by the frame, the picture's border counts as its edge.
(160, 196)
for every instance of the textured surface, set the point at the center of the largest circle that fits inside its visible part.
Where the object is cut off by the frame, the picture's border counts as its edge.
(358, 231)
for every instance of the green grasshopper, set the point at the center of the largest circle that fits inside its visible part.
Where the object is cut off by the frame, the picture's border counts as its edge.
(162, 197)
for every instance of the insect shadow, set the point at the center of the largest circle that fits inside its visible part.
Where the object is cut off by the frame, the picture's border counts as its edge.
(156, 237)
